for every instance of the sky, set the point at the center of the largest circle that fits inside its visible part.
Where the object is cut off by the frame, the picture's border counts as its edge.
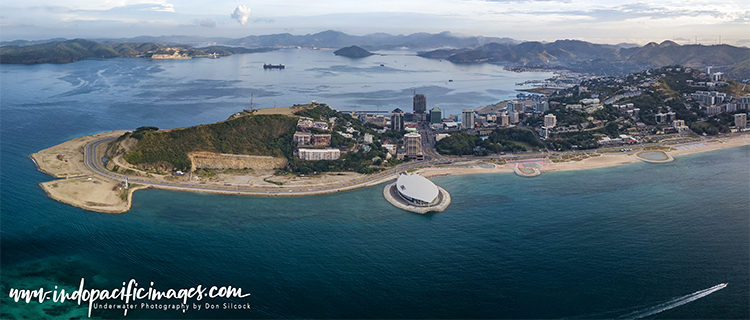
(598, 21)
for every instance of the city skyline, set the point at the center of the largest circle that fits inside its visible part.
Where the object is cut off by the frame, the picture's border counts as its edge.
(622, 21)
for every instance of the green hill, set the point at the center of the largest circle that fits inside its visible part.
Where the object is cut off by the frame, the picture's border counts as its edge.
(79, 49)
(353, 52)
(263, 135)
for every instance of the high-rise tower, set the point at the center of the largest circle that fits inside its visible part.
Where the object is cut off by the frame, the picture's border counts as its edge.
(420, 103)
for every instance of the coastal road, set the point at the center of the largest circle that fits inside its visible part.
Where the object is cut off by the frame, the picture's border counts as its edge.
(93, 162)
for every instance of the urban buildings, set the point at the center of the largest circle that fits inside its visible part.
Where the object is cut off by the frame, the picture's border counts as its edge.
(379, 120)
(709, 97)
(504, 120)
(397, 120)
(413, 145)
(680, 126)
(513, 117)
(740, 120)
(306, 138)
(550, 121)
(319, 154)
(420, 103)
(302, 138)
(321, 139)
(467, 119)
(665, 117)
(436, 116)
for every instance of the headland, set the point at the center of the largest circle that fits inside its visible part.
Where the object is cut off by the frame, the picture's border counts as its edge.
(85, 184)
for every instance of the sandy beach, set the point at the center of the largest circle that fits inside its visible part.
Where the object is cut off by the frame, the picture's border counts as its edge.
(82, 187)
(597, 161)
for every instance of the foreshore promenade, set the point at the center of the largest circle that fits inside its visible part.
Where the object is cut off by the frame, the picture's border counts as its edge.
(85, 183)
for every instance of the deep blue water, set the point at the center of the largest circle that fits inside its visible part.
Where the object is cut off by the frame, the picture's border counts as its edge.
(587, 244)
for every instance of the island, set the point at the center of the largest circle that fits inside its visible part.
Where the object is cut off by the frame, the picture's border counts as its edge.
(353, 52)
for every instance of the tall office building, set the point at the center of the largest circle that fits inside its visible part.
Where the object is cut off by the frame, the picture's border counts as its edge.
(467, 119)
(397, 120)
(420, 103)
(436, 116)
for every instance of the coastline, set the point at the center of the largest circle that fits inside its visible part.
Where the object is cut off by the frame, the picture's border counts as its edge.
(80, 186)
(602, 161)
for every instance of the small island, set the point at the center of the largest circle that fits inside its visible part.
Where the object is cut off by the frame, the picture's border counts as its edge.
(353, 52)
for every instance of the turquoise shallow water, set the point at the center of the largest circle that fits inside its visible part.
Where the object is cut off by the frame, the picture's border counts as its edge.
(598, 243)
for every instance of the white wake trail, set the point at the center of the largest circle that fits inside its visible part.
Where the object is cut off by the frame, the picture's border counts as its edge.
(673, 303)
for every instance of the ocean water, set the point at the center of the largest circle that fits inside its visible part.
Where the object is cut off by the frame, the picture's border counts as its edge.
(626, 241)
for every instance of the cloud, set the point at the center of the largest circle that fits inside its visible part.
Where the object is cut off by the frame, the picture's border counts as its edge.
(241, 13)
(208, 22)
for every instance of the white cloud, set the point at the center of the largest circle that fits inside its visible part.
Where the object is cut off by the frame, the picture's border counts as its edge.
(241, 13)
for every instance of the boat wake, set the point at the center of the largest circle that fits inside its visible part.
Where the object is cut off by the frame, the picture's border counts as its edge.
(649, 309)
(673, 303)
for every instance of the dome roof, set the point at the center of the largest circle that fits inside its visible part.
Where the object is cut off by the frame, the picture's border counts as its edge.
(417, 187)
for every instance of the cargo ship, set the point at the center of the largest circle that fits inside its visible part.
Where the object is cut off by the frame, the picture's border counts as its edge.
(273, 66)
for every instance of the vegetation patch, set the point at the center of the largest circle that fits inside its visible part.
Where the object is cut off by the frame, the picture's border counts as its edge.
(274, 182)
(500, 140)
(265, 135)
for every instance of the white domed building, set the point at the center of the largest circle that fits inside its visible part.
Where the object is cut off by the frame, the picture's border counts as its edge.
(416, 189)
(415, 193)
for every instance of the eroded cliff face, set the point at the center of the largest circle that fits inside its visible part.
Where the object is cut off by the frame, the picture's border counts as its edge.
(222, 161)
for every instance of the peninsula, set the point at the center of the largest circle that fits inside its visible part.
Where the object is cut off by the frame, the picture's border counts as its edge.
(94, 174)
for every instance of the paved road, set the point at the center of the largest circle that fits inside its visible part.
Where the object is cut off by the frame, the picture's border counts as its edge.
(94, 164)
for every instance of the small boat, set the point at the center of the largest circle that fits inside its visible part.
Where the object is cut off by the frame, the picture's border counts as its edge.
(273, 66)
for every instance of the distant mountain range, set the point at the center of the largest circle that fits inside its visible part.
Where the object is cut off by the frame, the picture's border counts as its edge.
(574, 55)
(77, 49)
(326, 39)
(581, 56)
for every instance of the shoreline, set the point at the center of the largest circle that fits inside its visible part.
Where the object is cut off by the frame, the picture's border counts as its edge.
(544, 165)
(82, 187)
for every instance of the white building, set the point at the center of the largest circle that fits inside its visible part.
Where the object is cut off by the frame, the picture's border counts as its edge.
(441, 136)
(390, 147)
(319, 154)
(416, 189)
(514, 117)
(740, 120)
